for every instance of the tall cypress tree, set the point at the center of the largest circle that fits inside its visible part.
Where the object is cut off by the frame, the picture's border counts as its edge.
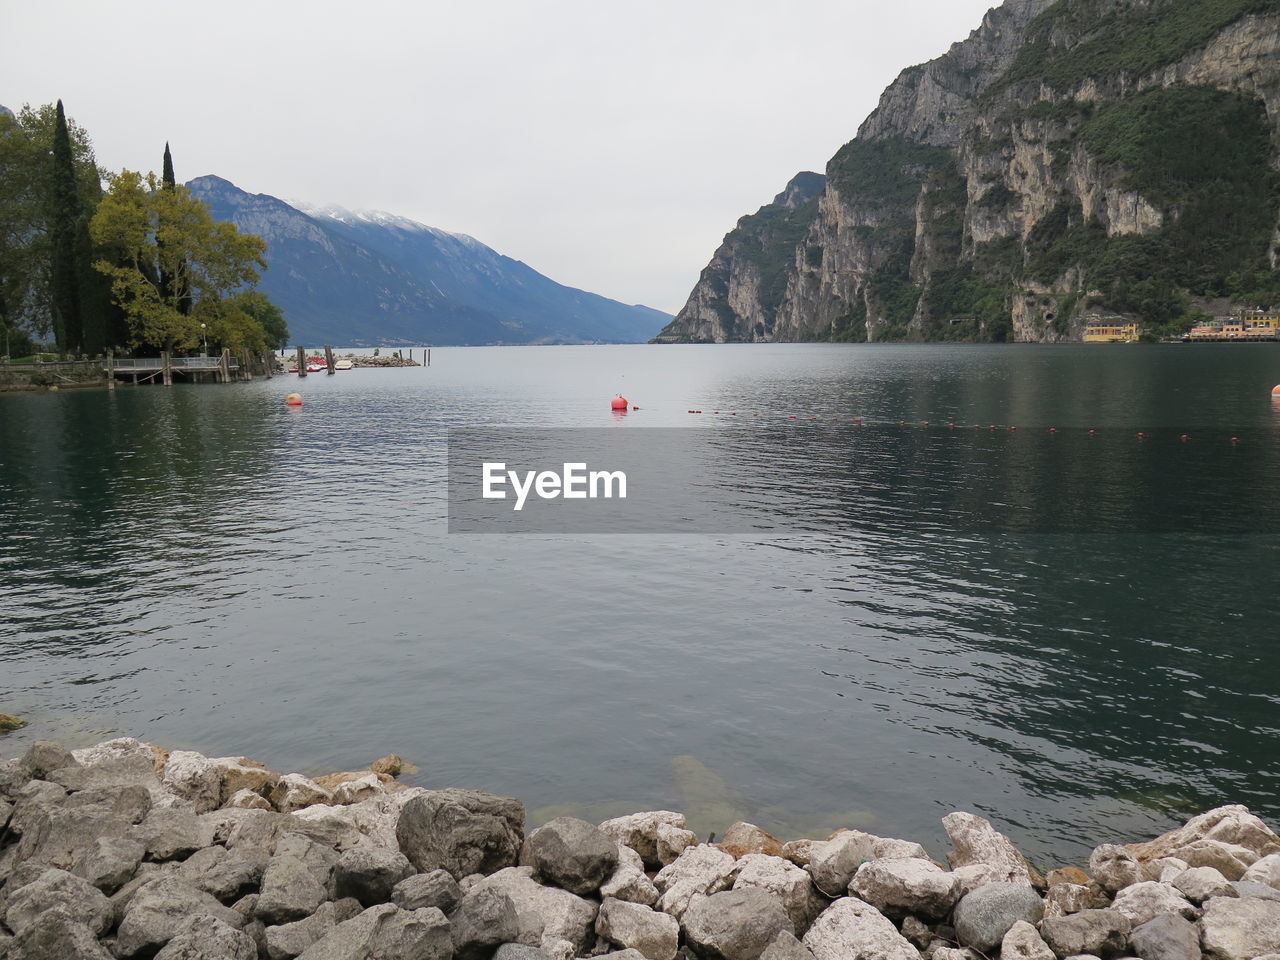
(175, 282)
(66, 222)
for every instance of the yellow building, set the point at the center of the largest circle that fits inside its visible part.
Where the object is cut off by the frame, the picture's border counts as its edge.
(1111, 330)
(1249, 325)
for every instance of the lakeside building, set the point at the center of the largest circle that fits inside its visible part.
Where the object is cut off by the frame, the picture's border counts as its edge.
(1111, 329)
(1246, 325)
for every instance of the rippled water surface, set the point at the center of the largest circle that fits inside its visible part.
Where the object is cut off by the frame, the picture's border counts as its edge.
(1088, 655)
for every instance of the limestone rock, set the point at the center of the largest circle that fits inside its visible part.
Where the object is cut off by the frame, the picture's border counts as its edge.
(672, 841)
(1265, 870)
(193, 777)
(1228, 838)
(361, 788)
(57, 936)
(639, 831)
(983, 917)
(173, 834)
(290, 890)
(521, 951)
(248, 800)
(1255, 891)
(484, 920)
(462, 831)
(1163, 869)
(1144, 901)
(116, 749)
(109, 862)
(128, 802)
(158, 911)
(573, 854)
(1167, 937)
(832, 863)
(1023, 942)
(1237, 929)
(368, 873)
(699, 871)
(629, 881)
(226, 875)
(545, 916)
(634, 926)
(287, 940)
(435, 889)
(80, 900)
(205, 938)
(1114, 867)
(1067, 898)
(744, 838)
(851, 929)
(905, 886)
(43, 757)
(1067, 875)
(977, 842)
(1198, 884)
(792, 886)
(385, 932)
(294, 791)
(797, 851)
(786, 947)
(390, 765)
(1100, 933)
(734, 924)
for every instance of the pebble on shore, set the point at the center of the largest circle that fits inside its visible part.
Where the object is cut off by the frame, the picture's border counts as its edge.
(124, 851)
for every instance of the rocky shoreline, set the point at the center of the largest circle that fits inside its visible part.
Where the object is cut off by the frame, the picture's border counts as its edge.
(123, 850)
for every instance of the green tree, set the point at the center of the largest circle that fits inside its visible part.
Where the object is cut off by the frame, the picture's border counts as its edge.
(156, 232)
(29, 221)
(66, 222)
(267, 315)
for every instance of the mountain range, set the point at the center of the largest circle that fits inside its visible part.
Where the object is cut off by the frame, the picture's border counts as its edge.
(1069, 158)
(358, 278)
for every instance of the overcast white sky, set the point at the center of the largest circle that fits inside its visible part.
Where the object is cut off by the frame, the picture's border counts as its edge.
(610, 145)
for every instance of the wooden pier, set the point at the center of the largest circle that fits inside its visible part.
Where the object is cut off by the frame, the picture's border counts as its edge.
(221, 369)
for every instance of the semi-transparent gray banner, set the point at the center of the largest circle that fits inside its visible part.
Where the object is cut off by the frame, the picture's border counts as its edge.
(831, 478)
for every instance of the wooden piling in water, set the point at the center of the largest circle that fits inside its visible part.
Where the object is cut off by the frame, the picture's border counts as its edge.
(111, 370)
(224, 365)
(428, 357)
(166, 369)
(246, 371)
(302, 361)
(328, 360)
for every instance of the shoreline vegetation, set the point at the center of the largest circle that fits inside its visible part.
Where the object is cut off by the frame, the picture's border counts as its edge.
(125, 850)
(93, 261)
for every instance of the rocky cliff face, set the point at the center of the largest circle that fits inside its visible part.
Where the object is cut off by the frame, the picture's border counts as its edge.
(1069, 157)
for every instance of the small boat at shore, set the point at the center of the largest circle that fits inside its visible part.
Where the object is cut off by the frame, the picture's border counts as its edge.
(344, 364)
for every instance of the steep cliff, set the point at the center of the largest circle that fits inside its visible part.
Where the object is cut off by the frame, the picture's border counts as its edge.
(1068, 157)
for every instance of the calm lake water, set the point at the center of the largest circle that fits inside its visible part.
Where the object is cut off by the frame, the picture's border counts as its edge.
(1073, 634)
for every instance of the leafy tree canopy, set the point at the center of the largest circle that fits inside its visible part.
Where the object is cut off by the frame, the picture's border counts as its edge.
(157, 233)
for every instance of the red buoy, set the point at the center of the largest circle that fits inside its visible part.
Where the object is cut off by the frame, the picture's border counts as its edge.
(619, 402)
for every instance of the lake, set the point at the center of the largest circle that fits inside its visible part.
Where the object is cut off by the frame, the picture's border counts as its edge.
(1072, 633)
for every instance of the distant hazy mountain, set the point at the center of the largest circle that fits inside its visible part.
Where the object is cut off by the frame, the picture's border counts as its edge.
(360, 278)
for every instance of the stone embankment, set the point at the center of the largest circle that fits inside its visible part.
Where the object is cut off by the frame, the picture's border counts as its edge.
(381, 361)
(124, 851)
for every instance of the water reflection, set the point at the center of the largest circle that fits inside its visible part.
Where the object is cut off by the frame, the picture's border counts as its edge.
(1070, 633)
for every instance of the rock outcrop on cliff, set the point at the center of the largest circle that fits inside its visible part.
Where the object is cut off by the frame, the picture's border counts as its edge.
(1069, 157)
